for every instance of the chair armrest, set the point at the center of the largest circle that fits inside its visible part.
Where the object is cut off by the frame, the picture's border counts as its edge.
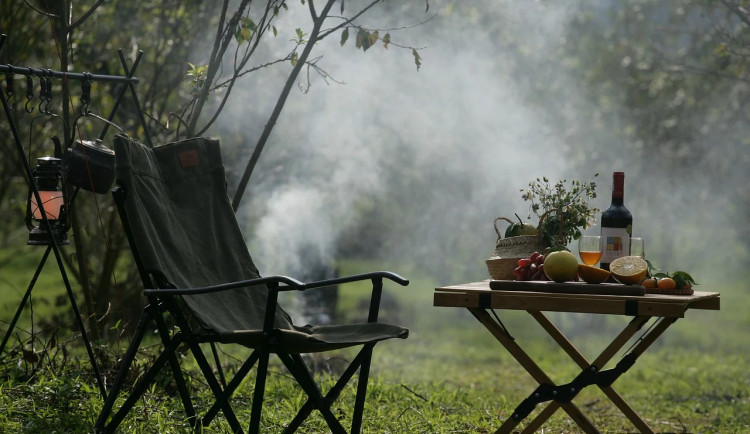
(355, 278)
(377, 287)
(270, 280)
(290, 283)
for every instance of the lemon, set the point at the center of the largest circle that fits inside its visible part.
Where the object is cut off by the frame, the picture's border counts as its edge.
(561, 266)
(591, 274)
(630, 270)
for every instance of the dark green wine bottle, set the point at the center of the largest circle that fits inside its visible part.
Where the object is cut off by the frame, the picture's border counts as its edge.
(617, 224)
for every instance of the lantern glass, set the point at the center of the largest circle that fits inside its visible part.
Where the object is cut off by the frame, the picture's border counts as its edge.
(48, 178)
(53, 202)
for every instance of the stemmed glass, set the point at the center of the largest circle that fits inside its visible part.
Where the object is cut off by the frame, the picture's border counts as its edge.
(636, 247)
(590, 249)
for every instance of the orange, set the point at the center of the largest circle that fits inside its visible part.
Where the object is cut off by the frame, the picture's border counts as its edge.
(667, 283)
(591, 274)
(629, 270)
(650, 283)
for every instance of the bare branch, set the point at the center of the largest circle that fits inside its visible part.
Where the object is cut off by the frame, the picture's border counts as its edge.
(48, 14)
(348, 20)
(85, 15)
(260, 31)
(220, 47)
(740, 12)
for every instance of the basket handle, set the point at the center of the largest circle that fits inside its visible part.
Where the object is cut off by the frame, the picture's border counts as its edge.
(494, 223)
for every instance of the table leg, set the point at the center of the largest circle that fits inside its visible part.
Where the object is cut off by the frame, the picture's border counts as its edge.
(533, 369)
(607, 354)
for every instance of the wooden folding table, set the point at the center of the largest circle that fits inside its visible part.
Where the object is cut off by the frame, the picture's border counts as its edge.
(481, 298)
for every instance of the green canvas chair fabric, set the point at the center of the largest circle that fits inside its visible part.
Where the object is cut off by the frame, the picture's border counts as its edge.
(185, 238)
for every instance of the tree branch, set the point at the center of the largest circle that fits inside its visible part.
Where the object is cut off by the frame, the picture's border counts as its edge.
(348, 20)
(85, 15)
(260, 31)
(220, 47)
(314, 37)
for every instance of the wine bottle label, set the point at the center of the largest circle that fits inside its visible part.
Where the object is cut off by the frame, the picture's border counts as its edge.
(616, 243)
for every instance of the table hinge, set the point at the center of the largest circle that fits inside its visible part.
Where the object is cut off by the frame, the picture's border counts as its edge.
(541, 394)
(485, 301)
(606, 378)
(631, 307)
(562, 393)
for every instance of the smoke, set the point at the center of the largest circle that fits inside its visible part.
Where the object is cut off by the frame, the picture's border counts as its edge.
(455, 137)
(404, 165)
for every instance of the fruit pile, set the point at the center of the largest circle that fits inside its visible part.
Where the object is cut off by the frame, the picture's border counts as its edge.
(531, 268)
(669, 281)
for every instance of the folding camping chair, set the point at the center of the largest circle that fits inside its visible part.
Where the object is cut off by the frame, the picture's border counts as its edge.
(196, 270)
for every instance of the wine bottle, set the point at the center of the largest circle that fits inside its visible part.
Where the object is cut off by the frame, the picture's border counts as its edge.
(617, 224)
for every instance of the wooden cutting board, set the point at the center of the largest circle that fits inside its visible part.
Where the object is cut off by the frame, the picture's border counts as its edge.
(568, 287)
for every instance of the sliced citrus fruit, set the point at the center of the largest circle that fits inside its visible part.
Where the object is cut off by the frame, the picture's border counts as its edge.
(629, 270)
(591, 274)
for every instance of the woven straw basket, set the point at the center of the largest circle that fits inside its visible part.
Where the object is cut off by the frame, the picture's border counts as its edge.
(509, 250)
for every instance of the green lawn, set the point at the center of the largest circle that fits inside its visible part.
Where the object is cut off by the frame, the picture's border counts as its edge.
(448, 376)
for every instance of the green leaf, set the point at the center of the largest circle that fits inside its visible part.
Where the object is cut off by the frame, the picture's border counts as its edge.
(374, 36)
(295, 58)
(417, 59)
(248, 24)
(683, 275)
(363, 40)
(679, 280)
(275, 32)
(386, 40)
(344, 36)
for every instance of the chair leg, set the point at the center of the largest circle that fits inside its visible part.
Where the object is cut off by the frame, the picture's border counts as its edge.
(232, 386)
(137, 391)
(364, 377)
(174, 366)
(333, 393)
(210, 378)
(219, 369)
(302, 374)
(123, 371)
(260, 386)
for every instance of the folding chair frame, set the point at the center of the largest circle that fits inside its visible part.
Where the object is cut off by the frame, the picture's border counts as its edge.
(162, 302)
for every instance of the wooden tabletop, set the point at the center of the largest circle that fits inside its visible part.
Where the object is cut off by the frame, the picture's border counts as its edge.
(534, 296)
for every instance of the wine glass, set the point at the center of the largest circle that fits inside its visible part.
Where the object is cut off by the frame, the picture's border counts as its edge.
(636, 247)
(590, 249)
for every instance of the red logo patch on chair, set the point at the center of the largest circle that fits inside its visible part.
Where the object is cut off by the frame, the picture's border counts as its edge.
(189, 159)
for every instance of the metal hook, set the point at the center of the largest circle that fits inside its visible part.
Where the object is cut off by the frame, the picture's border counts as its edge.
(85, 94)
(47, 92)
(42, 92)
(29, 94)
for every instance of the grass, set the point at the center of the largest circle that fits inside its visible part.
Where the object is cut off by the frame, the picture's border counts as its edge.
(448, 376)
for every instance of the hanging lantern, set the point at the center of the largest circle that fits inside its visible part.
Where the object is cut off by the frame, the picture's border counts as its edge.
(48, 178)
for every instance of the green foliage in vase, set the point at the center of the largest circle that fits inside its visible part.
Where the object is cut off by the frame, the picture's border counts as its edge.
(563, 208)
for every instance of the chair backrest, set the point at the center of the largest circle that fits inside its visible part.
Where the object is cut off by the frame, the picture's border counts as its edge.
(182, 225)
